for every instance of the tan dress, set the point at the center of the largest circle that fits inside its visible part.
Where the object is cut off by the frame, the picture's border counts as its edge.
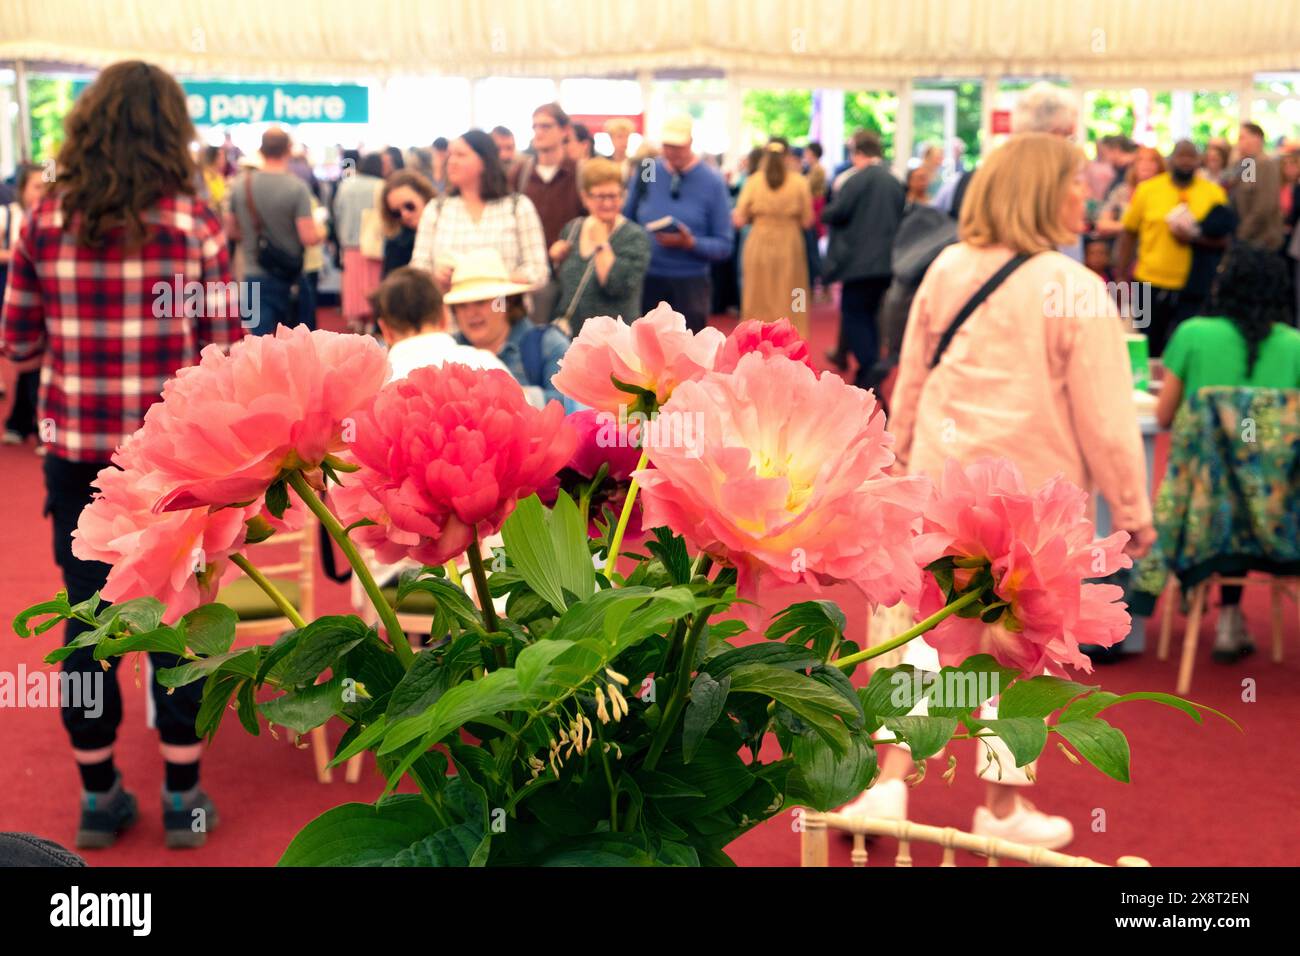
(775, 262)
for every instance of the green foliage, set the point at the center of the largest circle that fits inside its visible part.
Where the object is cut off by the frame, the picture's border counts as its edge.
(598, 725)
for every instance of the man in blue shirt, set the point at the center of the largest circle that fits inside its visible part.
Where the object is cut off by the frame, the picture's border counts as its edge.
(679, 186)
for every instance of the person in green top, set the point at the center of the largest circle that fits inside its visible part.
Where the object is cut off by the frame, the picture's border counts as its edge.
(1246, 341)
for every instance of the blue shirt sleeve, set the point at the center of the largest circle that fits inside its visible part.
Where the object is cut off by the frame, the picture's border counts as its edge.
(722, 235)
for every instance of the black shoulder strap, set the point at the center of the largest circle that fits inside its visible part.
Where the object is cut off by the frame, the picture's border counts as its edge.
(984, 291)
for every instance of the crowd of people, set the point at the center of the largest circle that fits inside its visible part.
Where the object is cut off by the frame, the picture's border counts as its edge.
(477, 251)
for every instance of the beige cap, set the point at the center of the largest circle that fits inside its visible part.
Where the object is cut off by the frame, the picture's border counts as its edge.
(677, 131)
(481, 274)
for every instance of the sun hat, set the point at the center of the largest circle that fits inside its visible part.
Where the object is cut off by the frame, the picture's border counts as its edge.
(676, 131)
(481, 274)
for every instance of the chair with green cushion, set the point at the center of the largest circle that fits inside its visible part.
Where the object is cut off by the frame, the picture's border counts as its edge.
(260, 620)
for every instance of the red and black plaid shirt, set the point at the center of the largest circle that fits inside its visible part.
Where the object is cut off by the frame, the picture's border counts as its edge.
(108, 320)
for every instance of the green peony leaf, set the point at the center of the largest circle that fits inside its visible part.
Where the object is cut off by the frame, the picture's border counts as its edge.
(363, 834)
(1097, 742)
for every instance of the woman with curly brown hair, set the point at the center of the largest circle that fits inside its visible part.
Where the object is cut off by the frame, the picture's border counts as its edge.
(92, 291)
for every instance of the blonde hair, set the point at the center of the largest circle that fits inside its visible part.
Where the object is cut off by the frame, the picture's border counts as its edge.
(619, 124)
(598, 171)
(1015, 196)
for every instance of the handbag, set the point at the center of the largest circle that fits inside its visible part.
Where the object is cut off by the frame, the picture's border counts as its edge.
(372, 231)
(565, 321)
(273, 260)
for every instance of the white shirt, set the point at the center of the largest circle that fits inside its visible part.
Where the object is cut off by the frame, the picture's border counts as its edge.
(509, 225)
(436, 348)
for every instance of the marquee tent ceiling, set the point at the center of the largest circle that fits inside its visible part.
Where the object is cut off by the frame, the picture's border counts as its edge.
(826, 42)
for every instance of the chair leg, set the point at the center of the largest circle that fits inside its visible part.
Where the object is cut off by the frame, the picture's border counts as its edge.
(1275, 587)
(352, 773)
(1199, 596)
(1167, 618)
(320, 752)
(814, 843)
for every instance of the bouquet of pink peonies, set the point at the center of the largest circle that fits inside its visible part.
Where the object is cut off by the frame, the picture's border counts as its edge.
(601, 718)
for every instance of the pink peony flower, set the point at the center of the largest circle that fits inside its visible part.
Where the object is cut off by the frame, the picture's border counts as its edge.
(766, 338)
(657, 352)
(227, 426)
(445, 453)
(1040, 546)
(785, 480)
(178, 557)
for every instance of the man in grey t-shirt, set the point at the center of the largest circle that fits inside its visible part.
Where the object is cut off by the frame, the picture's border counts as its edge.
(283, 204)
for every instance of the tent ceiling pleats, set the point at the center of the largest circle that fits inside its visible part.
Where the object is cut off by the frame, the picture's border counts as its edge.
(828, 42)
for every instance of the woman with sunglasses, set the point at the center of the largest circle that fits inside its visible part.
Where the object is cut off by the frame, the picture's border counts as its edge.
(401, 203)
(600, 259)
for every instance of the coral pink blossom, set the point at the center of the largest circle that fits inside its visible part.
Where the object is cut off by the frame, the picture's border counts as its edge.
(178, 557)
(446, 452)
(1040, 546)
(657, 352)
(227, 426)
(784, 478)
(766, 338)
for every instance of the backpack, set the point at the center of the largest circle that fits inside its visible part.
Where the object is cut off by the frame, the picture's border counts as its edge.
(923, 233)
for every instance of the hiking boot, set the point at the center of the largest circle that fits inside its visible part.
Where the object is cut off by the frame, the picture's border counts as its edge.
(187, 817)
(104, 816)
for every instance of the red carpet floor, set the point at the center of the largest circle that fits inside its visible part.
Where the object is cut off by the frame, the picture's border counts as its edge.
(1199, 795)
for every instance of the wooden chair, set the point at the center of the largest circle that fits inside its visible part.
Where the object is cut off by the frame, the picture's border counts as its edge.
(815, 843)
(1199, 603)
(259, 618)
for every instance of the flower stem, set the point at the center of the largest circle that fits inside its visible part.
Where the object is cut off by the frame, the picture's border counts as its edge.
(485, 598)
(616, 543)
(274, 593)
(970, 597)
(681, 688)
(396, 636)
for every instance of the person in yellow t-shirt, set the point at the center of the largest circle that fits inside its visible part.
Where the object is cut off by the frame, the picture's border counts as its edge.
(1163, 222)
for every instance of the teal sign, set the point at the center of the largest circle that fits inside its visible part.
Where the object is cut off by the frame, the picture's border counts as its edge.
(219, 104)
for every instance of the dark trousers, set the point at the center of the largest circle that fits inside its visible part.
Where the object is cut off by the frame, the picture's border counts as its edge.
(307, 286)
(859, 305)
(67, 492)
(691, 296)
(1165, 311)
(273, 299)
(22, 419)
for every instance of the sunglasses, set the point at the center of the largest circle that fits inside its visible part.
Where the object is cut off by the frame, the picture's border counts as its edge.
(675, 187)
(404, 207)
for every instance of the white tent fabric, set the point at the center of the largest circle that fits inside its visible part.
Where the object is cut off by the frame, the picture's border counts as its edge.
(819, 42)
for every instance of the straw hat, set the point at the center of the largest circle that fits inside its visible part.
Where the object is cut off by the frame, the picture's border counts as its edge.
(481, 274)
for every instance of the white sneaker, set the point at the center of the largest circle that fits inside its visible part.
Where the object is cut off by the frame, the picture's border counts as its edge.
(1025, 825)
(11, 437)
(885, 801)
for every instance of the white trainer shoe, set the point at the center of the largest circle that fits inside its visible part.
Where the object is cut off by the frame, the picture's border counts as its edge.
(1026, 825)
(885, 801)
